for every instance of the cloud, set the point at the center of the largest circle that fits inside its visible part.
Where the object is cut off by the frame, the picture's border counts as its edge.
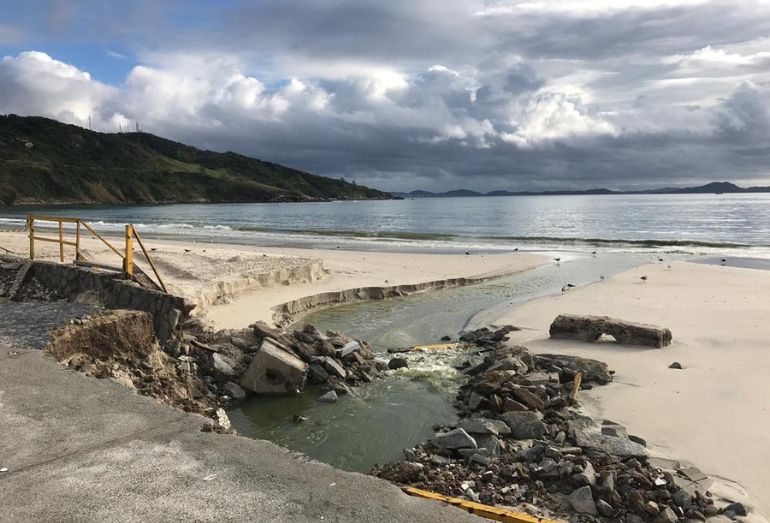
(435, 95)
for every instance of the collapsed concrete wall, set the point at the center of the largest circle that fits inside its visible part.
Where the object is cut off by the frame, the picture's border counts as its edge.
(72, 282)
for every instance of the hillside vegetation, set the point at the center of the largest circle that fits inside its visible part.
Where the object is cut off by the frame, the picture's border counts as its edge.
(48, 162)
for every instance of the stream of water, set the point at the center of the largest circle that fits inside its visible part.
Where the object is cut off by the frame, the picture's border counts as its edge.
(398, 411)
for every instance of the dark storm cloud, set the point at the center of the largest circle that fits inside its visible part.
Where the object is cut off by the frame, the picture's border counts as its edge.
(435, 95)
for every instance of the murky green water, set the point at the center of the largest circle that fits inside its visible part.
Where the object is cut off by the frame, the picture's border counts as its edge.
(399, 410)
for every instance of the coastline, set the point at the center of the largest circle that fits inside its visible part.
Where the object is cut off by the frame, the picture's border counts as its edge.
(689, 413)
(710, 412)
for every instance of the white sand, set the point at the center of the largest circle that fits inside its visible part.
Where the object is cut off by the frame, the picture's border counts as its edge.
(352, 269)
(236, 285)
(715, 412)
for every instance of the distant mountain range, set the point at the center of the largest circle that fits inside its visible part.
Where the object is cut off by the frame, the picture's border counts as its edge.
(709, 188)
(43, 161)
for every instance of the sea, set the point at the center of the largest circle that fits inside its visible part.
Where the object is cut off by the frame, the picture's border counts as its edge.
(691, 222)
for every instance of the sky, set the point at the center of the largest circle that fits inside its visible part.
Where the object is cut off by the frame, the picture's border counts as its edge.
(408, 94)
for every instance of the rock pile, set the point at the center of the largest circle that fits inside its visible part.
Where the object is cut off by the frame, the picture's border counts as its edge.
(520, 441)
(286, 361)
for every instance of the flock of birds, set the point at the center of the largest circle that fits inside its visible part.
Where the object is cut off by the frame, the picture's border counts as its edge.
(643, 277)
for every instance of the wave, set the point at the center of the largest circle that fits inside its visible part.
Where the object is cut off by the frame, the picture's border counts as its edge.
(640, 243)
(493, 241)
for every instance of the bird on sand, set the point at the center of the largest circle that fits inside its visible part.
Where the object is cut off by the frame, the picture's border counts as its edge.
(570, 285)
(601, 277)
(644, 278)
(187, 250)
(594, 253)
(557, 260)
(724, 260)
(660, 260)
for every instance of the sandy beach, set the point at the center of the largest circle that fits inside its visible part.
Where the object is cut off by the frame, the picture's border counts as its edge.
(710, 413)
(713, 412)
(235, 285)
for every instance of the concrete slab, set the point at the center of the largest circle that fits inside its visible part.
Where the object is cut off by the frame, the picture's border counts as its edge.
(84, 449)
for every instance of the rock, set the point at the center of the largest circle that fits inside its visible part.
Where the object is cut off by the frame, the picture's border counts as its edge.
(490, 443)
(524, 425)
(587, 476)
(618, 431)
(475, 400)
(675, 365)
(693, 474)
(274, 371)
(620, 447)
(736, 508)
(446, 338)
(637, 439)
(478, 426)
(349, 348)
(591, 328)
(666, 516)
(651, 508)
(222, 366)
(334, 367)
(513, 405)
(592, 370)
(582, 501)
(263, 330)
(329, 397)
(528, 398)
(222, 420)
(605, 509)
(318, 374)
(397, 363)
(235, 390)
(454, 439)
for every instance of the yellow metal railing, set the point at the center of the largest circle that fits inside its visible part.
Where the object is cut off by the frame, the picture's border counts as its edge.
(126, 256)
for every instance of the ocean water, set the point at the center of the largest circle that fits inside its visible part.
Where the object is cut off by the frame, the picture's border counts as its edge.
(444, 224)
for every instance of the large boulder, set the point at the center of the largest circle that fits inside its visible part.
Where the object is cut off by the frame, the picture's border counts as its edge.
(454, 439)
(274, 371)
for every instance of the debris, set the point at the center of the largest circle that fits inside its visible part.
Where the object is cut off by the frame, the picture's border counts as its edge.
(591, 328)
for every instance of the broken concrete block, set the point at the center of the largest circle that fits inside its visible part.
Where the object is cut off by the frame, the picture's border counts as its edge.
(274, 371)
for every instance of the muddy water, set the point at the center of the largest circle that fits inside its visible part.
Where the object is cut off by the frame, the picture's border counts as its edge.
(383, 417)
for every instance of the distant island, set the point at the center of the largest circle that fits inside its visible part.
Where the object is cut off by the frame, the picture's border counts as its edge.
(43, 161)
(709, 188)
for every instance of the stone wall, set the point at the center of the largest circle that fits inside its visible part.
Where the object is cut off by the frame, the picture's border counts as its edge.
(71, 281)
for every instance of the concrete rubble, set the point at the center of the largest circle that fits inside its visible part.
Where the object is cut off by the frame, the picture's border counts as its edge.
(546, 454)
(591, 328)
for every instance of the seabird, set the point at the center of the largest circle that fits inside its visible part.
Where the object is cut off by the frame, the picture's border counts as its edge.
(668, 266)
(516, 249)
(594, 253)
(563, 289)
(569, 285)
(601, 277)
(644, 278)
(187, 250)
(467, 253)
(724, 260)
(660, 260)
(557, 260)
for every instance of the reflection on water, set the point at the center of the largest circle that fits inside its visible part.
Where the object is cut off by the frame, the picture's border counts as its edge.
(399, 410)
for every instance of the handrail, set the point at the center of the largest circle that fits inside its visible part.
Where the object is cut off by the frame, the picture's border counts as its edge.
(126, 255)
(149, 259)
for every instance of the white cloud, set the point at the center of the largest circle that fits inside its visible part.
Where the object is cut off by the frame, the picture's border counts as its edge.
(555, 116)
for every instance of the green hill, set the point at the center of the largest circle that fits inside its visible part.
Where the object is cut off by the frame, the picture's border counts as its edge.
(48, 162)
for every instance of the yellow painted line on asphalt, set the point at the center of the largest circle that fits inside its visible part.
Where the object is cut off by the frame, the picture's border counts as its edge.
(479, 509)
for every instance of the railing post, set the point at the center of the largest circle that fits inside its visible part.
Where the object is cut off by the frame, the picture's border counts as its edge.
(61, 242)
(31, 225)
(77, 240)
(128, 261)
